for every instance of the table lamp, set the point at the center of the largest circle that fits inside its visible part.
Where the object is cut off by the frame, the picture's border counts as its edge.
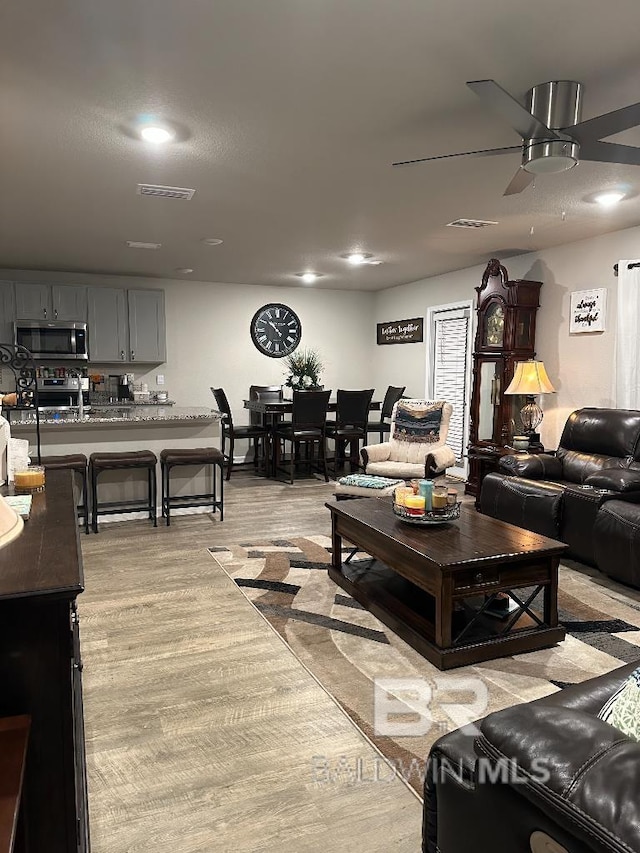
(529, 379)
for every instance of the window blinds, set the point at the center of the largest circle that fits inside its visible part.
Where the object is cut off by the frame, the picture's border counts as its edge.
(451, 335)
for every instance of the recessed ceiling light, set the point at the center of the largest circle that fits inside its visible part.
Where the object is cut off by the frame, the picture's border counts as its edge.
(609, 199)
(357, 258)
(156, 134)
(212, 241)
(136, 244)
(184, 270)
(309, 277)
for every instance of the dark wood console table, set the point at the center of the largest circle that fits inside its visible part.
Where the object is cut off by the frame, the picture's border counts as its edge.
(40, 667)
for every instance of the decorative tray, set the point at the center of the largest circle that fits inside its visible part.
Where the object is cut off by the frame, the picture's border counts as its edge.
(429, 519)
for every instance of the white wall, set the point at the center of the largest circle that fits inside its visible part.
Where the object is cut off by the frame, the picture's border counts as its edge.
(581, 367)
(208, 341)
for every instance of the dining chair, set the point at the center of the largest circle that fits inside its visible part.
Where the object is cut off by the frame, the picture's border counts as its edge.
(253, 432)
(267, 393)
(307, 429)
(390, 399)
(350, 425)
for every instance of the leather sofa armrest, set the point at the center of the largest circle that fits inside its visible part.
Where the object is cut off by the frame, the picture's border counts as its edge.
(534, 466)
(620, 480)
(590, 695)
(375, 453)
(570, 765)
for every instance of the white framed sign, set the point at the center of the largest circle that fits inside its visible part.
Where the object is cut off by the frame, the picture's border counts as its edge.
(588, 310)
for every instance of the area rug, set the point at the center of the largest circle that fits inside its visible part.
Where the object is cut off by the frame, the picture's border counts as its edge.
(400, 701)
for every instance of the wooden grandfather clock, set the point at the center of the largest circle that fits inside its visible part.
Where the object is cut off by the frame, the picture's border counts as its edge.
(505, 334)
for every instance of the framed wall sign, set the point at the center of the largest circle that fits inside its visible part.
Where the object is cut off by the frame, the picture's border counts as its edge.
(401, 331)
(588, 310)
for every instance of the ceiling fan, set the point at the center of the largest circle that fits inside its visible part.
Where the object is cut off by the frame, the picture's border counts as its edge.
(553, 137)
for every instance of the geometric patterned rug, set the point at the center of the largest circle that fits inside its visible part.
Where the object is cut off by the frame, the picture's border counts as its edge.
(400, 701)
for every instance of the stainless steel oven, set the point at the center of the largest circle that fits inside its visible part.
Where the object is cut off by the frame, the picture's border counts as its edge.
(55, 340)
(61, 395)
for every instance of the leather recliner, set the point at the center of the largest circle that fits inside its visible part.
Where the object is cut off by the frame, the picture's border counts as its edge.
(562, 494)
(547, 776)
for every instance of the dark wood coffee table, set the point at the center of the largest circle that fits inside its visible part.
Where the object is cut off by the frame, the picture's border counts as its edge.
(437, 587)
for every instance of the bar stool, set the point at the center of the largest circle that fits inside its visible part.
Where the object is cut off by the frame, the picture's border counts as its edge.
(138, 459)
(76, 462)
(172, 458)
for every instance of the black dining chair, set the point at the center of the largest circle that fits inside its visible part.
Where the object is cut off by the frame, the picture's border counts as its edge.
(307, 428)
(253, 432)
(390, 399)
(350, 426)
(267, 393)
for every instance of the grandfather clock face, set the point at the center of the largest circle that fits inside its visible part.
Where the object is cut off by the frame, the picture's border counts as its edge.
(493, 335)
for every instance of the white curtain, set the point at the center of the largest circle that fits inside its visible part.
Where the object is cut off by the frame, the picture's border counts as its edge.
(627, 381)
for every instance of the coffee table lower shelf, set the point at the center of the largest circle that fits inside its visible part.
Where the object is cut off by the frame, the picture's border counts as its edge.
(409, 612)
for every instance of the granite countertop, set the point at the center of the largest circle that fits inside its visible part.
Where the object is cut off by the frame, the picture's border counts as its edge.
(114, 416)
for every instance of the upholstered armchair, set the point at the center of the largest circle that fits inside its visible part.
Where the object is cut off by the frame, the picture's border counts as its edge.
(417, 442)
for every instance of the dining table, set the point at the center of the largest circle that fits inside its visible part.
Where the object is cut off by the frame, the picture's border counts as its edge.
(273, 410)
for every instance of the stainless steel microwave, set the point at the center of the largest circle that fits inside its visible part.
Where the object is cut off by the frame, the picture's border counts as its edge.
(56, 340)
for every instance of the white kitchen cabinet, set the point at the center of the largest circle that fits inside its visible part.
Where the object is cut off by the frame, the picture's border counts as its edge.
(40, 301)
(126, 325)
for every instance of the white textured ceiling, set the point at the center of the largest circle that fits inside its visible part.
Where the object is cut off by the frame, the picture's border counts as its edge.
(291, 112)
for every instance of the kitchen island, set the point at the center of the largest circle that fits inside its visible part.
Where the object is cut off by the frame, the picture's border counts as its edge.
(123, 429)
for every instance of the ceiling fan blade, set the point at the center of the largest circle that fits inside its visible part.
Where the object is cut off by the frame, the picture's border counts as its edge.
(520, 119)
(519, 182)
(485, 152)
(610, 152)
(605, 125)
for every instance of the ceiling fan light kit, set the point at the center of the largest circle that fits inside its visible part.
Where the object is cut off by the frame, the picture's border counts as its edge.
(554, 139)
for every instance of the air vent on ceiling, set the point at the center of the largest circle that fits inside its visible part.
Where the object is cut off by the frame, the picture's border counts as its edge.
(470, 223)
(136, 244)
(165, 192)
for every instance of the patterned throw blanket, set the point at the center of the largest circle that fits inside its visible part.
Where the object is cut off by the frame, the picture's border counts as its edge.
(368, 481)
(418, 421)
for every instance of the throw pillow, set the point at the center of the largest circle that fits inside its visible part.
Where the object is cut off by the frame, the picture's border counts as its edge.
(622, 710)
(418, 421)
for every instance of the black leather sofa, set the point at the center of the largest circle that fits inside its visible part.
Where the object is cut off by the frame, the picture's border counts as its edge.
(547, 776)
(586, 493)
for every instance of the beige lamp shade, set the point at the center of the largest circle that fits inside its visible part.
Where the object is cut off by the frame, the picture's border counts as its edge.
(11, 523)
(530, 378)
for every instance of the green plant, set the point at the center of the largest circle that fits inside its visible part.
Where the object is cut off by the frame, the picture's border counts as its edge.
(304, 368)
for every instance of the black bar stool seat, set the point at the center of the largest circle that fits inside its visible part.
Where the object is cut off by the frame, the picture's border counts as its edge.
(172, 458)
(73, 462)
(135, 459)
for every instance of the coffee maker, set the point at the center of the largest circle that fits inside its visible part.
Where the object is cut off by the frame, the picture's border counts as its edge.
(125, 386)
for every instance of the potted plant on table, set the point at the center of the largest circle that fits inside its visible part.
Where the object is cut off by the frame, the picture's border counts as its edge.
(304, 369)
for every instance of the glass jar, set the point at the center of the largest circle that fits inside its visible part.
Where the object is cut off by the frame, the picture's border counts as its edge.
(439, 498)
(29, 479)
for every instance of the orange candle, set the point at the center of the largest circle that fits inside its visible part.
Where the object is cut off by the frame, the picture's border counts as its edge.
(30, 479)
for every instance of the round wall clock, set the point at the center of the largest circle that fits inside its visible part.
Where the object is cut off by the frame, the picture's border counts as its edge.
(276, 330)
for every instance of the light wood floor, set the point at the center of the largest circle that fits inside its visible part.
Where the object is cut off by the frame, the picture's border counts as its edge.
(204, 733)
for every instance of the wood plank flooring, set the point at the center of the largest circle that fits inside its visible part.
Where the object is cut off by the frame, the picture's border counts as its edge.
(204, 732)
